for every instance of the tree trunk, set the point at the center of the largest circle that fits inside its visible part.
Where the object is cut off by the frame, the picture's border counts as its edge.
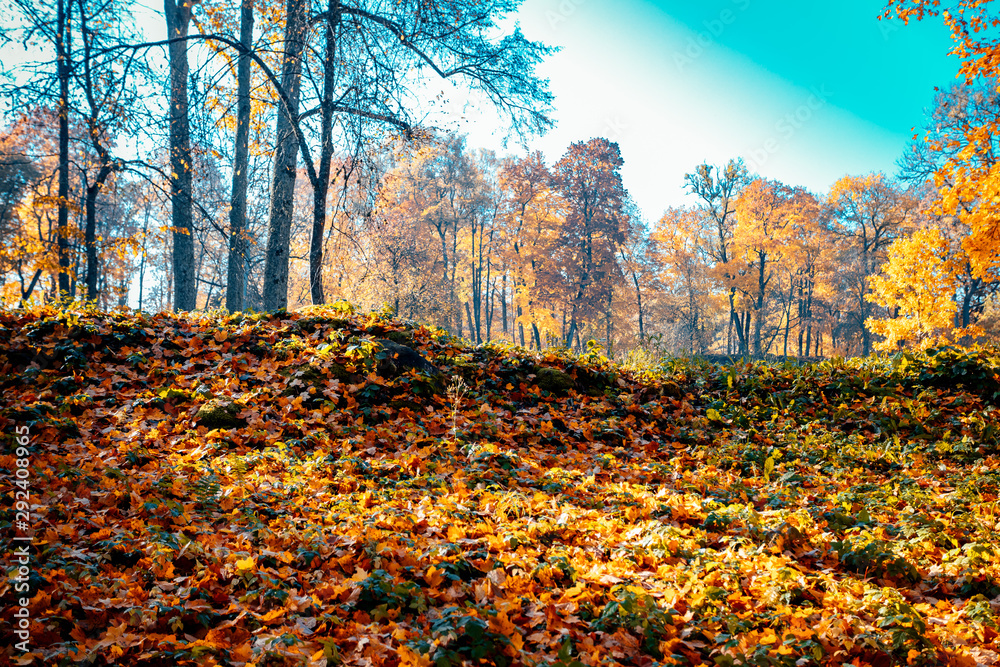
(322, 186)
(572, 332)
(63, 73)
(90, 231)
(610, 327)
(142, 262)
(236, 274)
(26, 291)
(638, 301)
(503, 305)
(473, 331)
(477, 308)
(742, 334)
(286, 156)
(759, 307)
(788, 331)
(106, 164)
(178, 17)
(746, 334)
(970, 293)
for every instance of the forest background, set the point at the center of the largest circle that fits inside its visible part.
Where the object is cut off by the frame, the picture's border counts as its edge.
(269, 156)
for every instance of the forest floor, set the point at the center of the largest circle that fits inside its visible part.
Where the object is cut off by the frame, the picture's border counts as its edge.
(288, 490)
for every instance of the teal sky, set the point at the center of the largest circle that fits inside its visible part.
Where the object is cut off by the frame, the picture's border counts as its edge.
(804, 92)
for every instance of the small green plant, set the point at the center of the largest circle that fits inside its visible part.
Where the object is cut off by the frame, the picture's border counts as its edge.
(874, 558)
(900, 628)
(380, 594)
(634, 610)
(459, 638)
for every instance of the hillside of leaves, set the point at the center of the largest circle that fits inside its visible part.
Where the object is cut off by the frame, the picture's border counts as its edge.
(284, 490)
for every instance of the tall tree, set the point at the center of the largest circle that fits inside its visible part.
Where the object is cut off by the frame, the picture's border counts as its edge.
(968, 176)
(589, 178)
(321, 186)
(531, 220)
(380, 58)
(637, 262)
(178, 18)
(867, 213)
(765, 210)
(236, 274)
(110, 94)
(286, 156)
(680, 248)
(18, 172)
(718, 192)
(63, 68)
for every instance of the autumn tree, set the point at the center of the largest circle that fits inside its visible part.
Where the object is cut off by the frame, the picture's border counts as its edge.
(957, 111)
(867, 213)
(718, 188)
(236, 274)
(533, 215)
(968, 177)
(589, 178)
(773, 220)
(917, 284)
(437, 188)
(109, 86)
(638, 266)
(286, 154)
(382, 54)
(178, 19)
(52, 28)
(807, 251)
(18, 172)
(483, 243)
(680, 246)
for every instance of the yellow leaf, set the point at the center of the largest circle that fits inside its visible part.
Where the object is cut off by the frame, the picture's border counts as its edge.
(241, 653)
(273, 614)
(408, 656)
(433, 576)
(246, 564)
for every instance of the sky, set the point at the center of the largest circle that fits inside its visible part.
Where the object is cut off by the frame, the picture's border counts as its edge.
(805, 92)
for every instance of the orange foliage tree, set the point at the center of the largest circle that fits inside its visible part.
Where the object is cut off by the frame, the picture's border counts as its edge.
(533, 214)
(867, 213)
(589, 178)
(968, 180)
(718, 188)
(679, 246)
(918, 284)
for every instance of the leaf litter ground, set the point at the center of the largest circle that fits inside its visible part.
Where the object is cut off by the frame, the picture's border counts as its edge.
(274, 490)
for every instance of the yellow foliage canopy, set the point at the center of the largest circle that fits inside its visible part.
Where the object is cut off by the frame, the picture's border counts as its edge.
(918, 282)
